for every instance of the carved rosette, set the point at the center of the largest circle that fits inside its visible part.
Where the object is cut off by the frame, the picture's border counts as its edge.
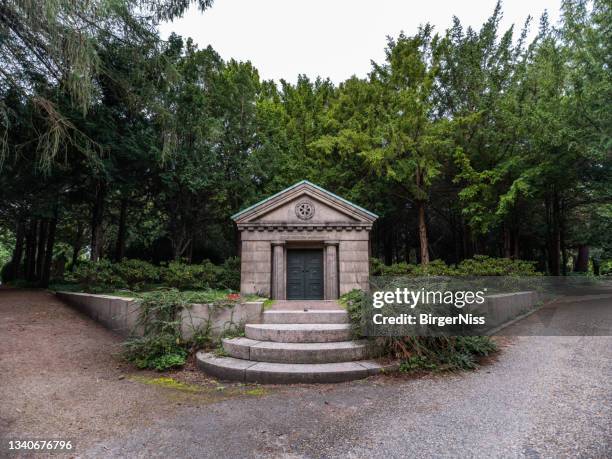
(304, 210)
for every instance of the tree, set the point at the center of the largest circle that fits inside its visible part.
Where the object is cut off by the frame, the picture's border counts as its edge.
(412, 140)
(57, 42)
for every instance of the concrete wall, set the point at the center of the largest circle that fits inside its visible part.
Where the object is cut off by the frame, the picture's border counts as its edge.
(502, 308)
(120, 314)
(219, 319)
(116, 313)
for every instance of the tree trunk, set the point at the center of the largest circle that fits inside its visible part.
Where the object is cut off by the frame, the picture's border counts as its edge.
(563, 250)
(516, 246)
(48, 257)
(388, 249)
(97, 217)
(18, 251)
(180, 242)
(77, 245)
(553, 234)
(30, 258)
(121, 231)
(40, 251)
(582, 262)
(507, 242)
(596, 266)
(424, 244)
(406, 241)
(467, 241)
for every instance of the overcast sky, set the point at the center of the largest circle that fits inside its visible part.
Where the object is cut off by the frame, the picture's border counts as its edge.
(331, 38)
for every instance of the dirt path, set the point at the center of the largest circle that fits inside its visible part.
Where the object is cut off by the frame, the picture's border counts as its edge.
(61, 376)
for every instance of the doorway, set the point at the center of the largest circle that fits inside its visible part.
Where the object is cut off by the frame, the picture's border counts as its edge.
(305, 274)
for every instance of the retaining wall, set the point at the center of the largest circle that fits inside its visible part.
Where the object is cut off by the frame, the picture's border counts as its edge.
(504, 307)
(120, 314)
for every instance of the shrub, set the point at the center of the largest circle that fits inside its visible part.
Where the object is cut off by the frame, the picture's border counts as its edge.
(161, 345)
(96, 276)
(229, 274)
(444, 353)
(136, 273)
(183, 276)
(355, 302)
(420, 352)
(480, 265)
(157, 352)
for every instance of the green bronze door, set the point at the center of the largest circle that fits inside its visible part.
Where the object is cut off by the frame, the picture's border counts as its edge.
(304, 274)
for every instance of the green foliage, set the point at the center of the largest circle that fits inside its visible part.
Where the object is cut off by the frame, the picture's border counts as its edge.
(136, 273)
(97, 276)
(492, 143)
(419, 353)
(229, 274)
(480, 265)
(416, 363)
(354, 302)
(183, 276)
(438, 353)
(161, 342)
(159, 352)
(5, 251)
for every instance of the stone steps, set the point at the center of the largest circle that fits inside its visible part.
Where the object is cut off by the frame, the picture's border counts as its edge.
(298, 333)
(314, 316)
(267, 351)
(229, 368)
(296, 343)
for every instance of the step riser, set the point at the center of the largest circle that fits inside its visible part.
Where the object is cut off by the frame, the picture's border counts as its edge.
(311, 317)
(266, 377)
(267, 354)
(274, 373)
(297, 336)
(327, 356)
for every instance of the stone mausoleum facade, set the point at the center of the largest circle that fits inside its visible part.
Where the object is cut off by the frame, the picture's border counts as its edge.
(304, 243)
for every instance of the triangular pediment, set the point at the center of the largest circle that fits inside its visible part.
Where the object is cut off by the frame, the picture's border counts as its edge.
(304, 204)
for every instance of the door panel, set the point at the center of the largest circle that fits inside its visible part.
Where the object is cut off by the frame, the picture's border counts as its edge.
(305, 274)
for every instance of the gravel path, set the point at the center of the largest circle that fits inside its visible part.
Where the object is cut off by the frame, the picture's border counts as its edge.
(543, 397)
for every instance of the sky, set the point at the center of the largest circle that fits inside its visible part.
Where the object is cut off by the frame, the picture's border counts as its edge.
(332, 38)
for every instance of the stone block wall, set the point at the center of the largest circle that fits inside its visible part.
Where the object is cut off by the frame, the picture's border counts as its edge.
(256, 268)
(120, 314)
(506, 306)
(353, 269)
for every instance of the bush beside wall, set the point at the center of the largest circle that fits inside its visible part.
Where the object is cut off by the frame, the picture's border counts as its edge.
(138, 275)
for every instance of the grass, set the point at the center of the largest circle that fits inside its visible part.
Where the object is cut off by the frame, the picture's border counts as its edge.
(208, 391)
(168, 383)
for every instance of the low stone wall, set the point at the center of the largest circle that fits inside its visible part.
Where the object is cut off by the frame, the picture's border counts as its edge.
(504, 307)
(120, 314)
(219, 319)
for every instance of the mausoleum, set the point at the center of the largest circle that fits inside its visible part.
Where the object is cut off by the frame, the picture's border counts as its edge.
(304, 243)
